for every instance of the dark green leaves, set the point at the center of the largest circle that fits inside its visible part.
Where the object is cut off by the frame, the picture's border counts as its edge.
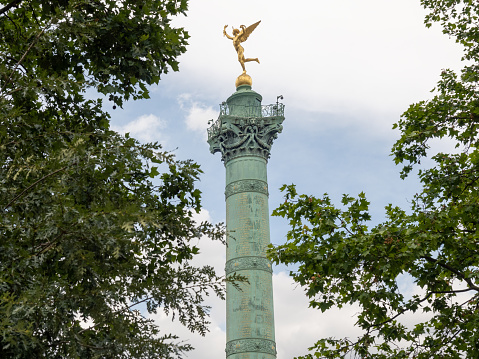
(92, 224)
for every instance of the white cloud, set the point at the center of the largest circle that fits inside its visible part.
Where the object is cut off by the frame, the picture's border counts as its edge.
(298, 326)
(197, 114)
(202, 216)
(146, 128)
(343, 57)
(212, 345)
(212, 253)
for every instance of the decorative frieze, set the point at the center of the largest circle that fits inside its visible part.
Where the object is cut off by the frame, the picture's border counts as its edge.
(250, 345)
(248, 263)
(248, 185)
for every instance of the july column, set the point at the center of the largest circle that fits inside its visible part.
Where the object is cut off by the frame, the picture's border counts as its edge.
(244, 134)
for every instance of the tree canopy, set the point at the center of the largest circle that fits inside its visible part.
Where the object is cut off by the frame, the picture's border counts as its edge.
(97, 229)
(344, 260)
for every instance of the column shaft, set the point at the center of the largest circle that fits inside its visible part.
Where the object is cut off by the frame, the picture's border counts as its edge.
(250, 324)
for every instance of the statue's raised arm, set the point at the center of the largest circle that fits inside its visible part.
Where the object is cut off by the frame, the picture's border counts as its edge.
(238, 37)
(225, 34)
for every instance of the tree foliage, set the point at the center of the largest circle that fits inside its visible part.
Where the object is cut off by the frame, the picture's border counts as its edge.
(92, 223)
(434, 245)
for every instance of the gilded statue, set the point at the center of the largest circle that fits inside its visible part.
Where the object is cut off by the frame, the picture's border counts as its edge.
(238, 37)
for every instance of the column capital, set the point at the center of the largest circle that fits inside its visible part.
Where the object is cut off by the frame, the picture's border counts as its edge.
(244, 126)
(235, 136)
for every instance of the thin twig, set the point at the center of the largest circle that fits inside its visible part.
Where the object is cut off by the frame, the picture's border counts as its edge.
(19, 62)
(33, 185)
(118, 311)
(398, 313)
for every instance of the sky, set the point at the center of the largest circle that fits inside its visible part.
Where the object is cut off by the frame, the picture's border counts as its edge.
(347, 70)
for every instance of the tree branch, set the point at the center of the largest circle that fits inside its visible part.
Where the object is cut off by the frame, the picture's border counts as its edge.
(48, 245)
(117, 312)
(398, 313)
(19, 62)
(452, 291)
(453, 270)
(14, 24)
(9, 6)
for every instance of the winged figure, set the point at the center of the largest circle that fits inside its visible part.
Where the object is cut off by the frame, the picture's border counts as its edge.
(238, 37)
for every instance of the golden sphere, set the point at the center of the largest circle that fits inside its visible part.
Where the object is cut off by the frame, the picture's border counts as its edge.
(244, 79)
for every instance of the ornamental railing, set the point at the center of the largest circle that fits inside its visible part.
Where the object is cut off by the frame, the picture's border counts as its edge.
(276, 109)
(251, 114)
(214, 129)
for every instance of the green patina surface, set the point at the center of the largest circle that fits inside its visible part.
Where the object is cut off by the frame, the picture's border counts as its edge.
(243, 135)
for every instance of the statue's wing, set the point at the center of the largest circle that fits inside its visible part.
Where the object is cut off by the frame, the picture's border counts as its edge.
(248, 31)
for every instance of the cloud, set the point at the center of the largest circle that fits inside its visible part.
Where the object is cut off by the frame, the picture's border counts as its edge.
(212, 253)
(212, 345)
(298, 326)
(337, 57)
(146, 128)
(197, 114)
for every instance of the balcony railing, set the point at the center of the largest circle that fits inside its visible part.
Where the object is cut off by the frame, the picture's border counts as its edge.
(214, 129)
(276, 109)
(252, 114)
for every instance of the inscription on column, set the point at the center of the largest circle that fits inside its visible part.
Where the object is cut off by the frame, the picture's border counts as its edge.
(247, 218)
